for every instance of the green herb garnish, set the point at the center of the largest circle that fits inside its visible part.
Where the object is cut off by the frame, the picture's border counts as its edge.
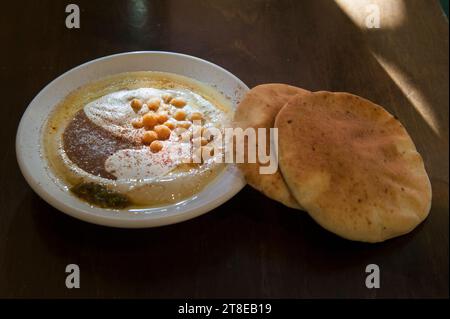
(99, 195)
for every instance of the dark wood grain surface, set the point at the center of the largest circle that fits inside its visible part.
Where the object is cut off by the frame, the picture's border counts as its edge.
(250, 246)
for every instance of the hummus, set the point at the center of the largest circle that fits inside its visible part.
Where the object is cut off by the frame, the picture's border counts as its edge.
(133, 135)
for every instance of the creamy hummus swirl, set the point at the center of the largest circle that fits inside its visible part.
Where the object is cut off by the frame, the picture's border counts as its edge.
(147, 178)
(113, 113)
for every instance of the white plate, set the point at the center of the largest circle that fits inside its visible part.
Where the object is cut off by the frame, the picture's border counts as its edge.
(33, 166)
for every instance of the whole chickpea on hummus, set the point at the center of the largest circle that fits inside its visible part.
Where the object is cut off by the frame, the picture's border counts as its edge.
(127, 140)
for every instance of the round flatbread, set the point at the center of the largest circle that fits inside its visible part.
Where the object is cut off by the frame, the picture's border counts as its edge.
(258, 110)
(352, 166)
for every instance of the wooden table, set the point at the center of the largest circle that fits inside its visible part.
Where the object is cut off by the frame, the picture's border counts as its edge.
(251, 246)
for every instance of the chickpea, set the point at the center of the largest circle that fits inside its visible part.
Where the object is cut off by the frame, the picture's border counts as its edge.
(162, 117)
(136, 104)
(150, 120)
(178, 102)
(153, 104)
(170, 125)
(162, 131)
(200, 140)
(196, 116)
(184, 124)
(148, 137)
(180, 115)
(167, 97)
(156, 146)
(137, 122)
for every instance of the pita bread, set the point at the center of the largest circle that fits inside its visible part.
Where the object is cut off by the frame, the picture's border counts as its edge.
(258, 110)
(352, 166)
